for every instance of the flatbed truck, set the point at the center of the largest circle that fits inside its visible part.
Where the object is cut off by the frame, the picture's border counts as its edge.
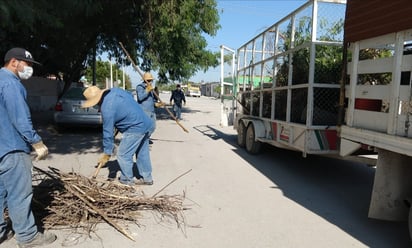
(332, 78)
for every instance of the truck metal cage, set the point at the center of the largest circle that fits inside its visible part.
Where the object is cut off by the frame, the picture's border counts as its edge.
(288, 78)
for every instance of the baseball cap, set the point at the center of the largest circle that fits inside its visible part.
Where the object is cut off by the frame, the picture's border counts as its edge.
(20, 54)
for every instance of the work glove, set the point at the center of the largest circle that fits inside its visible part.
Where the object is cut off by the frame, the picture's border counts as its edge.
(184, 103)
(170, 102)
(104, 159)
(41, 150)
(159, 104)
(149, 88)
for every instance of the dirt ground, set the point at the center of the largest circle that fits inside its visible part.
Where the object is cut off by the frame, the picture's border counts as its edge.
(276, 199)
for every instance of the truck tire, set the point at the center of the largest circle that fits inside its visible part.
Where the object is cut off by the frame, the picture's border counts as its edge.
(252, 146)
(241, 134)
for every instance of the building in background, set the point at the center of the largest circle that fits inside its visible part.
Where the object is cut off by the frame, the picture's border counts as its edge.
(42, 93)
(210, 89)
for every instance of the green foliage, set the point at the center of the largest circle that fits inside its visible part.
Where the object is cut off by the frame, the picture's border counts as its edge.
(160, 35)
(178, 26)
(218, 89)
(328, 61)
(375, 78)
(103, 73)
(167, 87)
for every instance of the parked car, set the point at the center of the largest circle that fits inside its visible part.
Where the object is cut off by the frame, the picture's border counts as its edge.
(68, 111)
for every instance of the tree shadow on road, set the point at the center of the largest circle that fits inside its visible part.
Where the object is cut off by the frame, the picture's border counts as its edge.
(114, 170)
(215, 133)
(70, 139)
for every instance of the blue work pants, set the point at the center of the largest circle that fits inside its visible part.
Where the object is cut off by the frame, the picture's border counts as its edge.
(178, 111)
(130, 145)
(16, 194)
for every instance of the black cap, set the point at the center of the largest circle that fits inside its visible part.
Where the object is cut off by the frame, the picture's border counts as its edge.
(19, 54)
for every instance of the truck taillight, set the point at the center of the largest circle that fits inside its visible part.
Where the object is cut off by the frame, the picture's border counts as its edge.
(58, 107)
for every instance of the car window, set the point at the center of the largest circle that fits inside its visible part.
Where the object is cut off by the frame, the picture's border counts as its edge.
(74, 93)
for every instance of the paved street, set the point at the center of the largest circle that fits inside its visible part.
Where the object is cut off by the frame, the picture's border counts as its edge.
(276, 199)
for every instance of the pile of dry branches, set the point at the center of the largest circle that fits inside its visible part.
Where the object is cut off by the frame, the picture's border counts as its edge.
(69, 200)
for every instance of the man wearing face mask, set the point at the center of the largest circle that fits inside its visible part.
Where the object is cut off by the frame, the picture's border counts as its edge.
(17, 136)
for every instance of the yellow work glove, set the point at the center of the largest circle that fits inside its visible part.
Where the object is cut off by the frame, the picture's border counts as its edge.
(149, 88)
(104, 159)
(41, 150)
(159, 104)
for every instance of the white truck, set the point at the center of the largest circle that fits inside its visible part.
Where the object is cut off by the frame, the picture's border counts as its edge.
(192, 91)
(331, 78)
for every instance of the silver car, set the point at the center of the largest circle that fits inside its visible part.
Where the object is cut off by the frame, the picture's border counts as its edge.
(68, 111)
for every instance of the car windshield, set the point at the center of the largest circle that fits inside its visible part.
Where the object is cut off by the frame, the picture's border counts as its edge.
(75, 93)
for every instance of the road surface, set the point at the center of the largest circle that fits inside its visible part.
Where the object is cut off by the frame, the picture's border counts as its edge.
(276, 199)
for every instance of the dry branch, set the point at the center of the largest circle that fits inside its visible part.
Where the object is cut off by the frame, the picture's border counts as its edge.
(69, 200)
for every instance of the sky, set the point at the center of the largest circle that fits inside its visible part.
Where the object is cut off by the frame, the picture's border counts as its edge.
(241, 21)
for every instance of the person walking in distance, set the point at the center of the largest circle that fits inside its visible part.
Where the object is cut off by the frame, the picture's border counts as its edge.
(177, 98)
(120, 111)
(17, 136)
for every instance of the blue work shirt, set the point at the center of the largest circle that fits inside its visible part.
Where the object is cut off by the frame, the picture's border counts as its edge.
(145, 99)
(119, 110)
(16, 131)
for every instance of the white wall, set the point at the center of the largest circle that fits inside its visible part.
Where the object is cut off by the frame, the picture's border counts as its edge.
(42, 93)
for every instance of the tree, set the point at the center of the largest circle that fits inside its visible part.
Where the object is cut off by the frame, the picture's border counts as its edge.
(103, 73)
(160, 35)
(328, 61)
